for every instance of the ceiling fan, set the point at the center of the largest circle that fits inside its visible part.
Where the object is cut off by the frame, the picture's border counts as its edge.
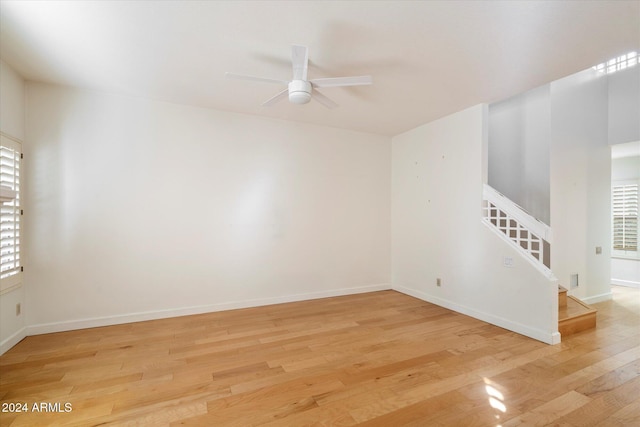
(299, 89)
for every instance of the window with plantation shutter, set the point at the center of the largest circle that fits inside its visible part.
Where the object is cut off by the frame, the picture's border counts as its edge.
(625, 218)
(10, 267)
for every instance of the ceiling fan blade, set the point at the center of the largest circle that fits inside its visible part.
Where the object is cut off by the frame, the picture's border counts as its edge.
(300, 61)
(343, 81)
(318, 96)
(256, 79)
(276, 98)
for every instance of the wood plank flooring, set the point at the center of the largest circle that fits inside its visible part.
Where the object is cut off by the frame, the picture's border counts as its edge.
(376, 359)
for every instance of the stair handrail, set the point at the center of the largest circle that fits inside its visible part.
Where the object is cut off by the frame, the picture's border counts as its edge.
(516, 211)
(515, 226)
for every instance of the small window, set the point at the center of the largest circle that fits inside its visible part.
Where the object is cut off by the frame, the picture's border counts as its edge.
(616, 64)
(625, 219)
(10, 266)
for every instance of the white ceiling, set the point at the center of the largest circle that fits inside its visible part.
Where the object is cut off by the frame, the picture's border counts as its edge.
(428, 59)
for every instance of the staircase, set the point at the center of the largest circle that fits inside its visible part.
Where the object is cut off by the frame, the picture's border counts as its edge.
(512, 223)
(573, 315)
(532, 238)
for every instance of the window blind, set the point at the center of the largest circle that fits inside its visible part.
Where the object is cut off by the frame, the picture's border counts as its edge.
(10, 212)
(625, 217)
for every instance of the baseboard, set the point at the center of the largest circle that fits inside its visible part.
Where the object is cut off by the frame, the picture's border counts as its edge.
(45, 328)
(536, 334)
(627, 283)
(12, 340)
(597, 298)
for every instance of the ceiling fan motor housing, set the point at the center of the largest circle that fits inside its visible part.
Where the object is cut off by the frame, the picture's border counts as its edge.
(299, 91)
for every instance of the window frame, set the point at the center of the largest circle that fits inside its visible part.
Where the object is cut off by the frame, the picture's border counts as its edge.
(618, 253)
(14, 280)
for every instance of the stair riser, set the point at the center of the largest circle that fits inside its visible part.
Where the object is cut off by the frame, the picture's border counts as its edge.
(577, 324)
(575, 316)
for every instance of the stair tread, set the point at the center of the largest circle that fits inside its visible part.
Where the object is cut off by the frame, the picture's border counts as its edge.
(574, 308)
(575, 317)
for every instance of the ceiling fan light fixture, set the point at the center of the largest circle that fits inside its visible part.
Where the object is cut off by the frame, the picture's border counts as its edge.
(299, 91)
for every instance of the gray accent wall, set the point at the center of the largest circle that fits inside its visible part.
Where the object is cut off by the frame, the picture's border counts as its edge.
(519, 142)
(624, 106)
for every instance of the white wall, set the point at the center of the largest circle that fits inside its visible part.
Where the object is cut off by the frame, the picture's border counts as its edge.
(581, 184)
(11, 123)
(437, 177)
(519, 147)
(143, 209)
(11, 102)
(625, 271)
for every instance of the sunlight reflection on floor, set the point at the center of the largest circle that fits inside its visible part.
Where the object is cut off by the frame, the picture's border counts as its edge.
(496, 398)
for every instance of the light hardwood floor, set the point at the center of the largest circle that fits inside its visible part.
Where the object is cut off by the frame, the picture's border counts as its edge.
(377, 359)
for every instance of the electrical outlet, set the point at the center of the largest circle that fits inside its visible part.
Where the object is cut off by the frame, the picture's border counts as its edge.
(598, 250)
(438, 282)
(508, 262)
(18, 309)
